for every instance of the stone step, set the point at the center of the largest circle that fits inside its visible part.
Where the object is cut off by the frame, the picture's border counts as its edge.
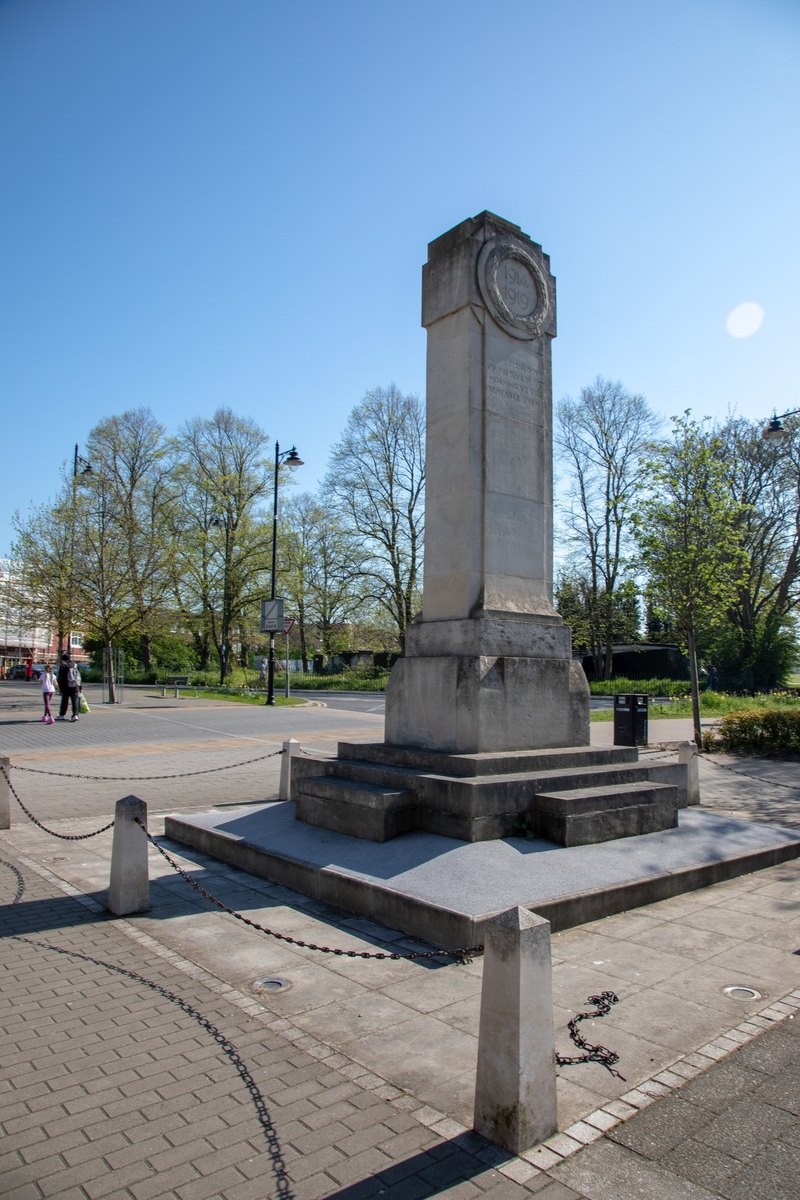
(492, 793)
(506, 763)
(585, 816)
(361, 810)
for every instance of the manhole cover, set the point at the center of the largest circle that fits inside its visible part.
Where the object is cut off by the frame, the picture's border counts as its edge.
(271, 984)
(739, 992)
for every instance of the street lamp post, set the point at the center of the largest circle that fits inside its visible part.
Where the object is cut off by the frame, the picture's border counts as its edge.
(80, 466)
(292, 459)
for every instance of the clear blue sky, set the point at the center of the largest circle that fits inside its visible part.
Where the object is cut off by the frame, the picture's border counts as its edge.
(210, 202)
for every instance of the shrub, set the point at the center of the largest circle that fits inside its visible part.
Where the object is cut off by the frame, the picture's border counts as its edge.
(762, 731)
(651, 687)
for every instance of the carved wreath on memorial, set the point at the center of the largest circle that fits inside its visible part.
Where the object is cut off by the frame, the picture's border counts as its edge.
(514, 287)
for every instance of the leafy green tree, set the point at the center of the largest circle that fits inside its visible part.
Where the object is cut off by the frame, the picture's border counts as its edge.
(574, 597)
(375, 483)
(689, 530)
(759, 638)
(104, 584)
(224, 541)
(40, 586)
(129, 454)
(602, 437)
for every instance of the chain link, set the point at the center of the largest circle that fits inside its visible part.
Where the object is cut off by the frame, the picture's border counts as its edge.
(65, 837)
(464, 954)
(599, 1054)
(141, 778)
(746, 774)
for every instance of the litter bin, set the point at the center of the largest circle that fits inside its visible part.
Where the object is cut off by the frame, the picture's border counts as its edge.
(630, 720)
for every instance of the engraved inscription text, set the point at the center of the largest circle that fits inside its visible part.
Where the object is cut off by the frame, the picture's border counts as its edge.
(507, 379)
(517, 287)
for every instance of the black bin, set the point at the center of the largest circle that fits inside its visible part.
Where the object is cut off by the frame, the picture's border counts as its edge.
(630, 720)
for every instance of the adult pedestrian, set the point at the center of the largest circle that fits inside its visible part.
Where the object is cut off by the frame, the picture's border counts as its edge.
(48, 688)
(69, 684)
(712, 677)
(262, 672)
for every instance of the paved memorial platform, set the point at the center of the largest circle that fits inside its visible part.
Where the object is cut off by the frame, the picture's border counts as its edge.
(443, 890)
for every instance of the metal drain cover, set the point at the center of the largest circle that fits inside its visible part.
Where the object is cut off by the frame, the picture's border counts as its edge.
(738, 991)
(271, 984)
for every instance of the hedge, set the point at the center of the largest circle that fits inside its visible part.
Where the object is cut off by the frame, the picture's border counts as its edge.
(760, 731)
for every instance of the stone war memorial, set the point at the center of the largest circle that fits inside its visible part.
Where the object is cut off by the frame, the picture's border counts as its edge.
(486, 794)
(487, 713)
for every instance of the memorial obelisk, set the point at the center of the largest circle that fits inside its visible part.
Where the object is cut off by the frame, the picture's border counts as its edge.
(488, 665)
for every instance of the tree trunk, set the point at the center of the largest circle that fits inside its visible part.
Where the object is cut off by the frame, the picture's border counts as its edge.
(112, 692)
(303, 645)
(698, 733)
(146, 644)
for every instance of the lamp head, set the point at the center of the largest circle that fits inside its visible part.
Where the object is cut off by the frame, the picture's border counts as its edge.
(775, 431)
(293, 459)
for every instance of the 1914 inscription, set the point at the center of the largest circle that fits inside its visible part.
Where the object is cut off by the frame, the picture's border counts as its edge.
(510, 380)
(516, 285)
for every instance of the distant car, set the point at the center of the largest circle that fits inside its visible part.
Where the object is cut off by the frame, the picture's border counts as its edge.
(20, 671)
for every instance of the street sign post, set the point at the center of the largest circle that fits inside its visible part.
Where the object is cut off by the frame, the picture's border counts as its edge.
(271, 615)
(288, 625)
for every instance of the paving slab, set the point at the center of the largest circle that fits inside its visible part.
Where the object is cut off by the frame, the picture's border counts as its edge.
(445, 890)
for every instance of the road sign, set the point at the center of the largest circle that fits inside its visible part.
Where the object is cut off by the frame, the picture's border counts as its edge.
(271, 615)
(288, 625)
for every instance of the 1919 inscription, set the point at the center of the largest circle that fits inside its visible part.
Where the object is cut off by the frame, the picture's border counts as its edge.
(517, 287)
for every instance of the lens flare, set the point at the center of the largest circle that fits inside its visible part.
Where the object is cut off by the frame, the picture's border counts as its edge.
(745, 320)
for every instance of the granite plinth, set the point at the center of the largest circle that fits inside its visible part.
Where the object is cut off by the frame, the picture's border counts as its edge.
(379, 791)
(445, 890)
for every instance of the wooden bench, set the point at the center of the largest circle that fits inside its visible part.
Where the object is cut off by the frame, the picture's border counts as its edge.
(175, 681)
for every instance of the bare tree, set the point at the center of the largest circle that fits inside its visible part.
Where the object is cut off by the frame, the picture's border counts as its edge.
(322, 574)
(602, 437)
(376, 481)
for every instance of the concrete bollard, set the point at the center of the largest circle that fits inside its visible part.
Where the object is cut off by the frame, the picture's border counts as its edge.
(290, 748)
(687, 753)
(5, 795)
(515, 1088)
(129, 885)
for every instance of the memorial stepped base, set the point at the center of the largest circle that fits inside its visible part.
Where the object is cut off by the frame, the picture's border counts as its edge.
(579, 796)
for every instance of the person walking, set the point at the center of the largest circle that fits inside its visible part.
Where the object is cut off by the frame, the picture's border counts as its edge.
(69, 684)
(48, 688)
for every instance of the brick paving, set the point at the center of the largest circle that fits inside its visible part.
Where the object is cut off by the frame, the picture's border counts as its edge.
(124, 1077)
(125, 1072)
(732, 1132)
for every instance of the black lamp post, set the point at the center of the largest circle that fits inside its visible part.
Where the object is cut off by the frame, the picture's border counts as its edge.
(80, 466)
(775, 432)
(292, 459)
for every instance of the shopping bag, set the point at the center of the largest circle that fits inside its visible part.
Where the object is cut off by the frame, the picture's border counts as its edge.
(84, 704)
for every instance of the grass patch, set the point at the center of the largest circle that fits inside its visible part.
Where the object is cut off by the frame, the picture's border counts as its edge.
(715, 704)
(237, 697)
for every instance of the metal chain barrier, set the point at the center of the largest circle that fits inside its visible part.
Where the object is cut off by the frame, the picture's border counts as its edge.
(65, 837)
(20, 882)
(141, 778)
(464, 954)
(599, 1054)
(746, 774)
